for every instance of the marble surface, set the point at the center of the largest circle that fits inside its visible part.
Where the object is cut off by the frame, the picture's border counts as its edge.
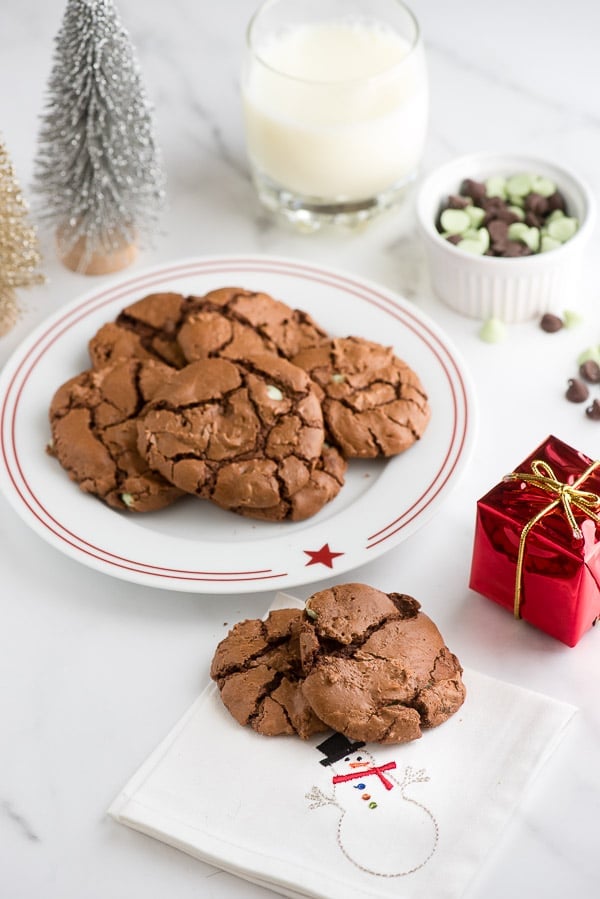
(94, 671)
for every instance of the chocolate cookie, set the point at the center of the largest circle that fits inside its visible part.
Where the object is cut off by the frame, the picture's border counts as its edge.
(376, 668)
(257, 670)
(234, 323)
(373, 403)
(94, 434)
(247, 436)
(146, 329)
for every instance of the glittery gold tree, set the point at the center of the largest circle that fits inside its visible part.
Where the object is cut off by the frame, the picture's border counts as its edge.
(98, 171)
(19, 254)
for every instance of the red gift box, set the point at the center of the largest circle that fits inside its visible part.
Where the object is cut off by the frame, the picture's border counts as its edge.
(537, 542)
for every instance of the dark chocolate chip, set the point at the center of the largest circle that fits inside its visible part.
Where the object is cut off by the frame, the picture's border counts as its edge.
(556, 201)
(593, 411)
(577, 392)
(498, 231)
(493, 204)
(516, 248)
(457, 202)
(533, 220)
(551, 323)
(590, 371)
(537, 204)
(454, 238)
(473, 189)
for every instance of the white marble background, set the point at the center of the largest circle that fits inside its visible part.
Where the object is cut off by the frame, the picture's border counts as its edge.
(93, 672)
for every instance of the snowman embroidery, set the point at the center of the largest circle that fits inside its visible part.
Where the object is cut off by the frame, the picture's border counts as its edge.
(380, 829)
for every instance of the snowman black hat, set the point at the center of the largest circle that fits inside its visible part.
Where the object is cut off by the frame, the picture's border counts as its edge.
(336, 747)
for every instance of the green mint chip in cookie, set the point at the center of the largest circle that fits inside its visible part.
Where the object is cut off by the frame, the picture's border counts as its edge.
(274, 393)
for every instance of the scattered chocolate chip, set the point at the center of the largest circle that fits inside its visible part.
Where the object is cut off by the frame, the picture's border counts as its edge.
(577, 392)
(551, 323)
(590, 371)
(454, 238)
(593, 411)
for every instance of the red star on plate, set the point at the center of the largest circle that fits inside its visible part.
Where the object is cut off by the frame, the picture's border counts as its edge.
(323, 556)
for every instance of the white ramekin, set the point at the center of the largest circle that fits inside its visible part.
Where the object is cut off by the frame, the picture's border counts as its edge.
(511, 289)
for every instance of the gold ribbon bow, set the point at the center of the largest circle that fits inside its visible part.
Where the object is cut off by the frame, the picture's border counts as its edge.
(566, 495)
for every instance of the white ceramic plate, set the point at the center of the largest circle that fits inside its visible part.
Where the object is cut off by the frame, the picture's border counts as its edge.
(193, 546)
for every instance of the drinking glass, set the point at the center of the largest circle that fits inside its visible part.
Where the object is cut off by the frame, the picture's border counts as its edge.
(335, 105)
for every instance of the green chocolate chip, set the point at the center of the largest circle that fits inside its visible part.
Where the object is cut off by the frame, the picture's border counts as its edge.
(475, 241)
(311, 613)
(542, 186)
(127, 499)
(562, 228)
(338, 379)
(516, 200)
(519, 185)
(476, 215)
(555, 214)
(532, 239)
(483, 236)
(571, 318)
(517, 210)
(274, 393)
(471, 245)
(496, 186)
(549, 243)
(455, 221)
(518, 231)
(493, 330)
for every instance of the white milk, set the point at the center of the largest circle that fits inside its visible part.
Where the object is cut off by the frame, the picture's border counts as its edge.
(347, 118)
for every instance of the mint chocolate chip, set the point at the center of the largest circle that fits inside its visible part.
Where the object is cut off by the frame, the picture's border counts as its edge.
(562, 228)
(518, 215)
(454, 221)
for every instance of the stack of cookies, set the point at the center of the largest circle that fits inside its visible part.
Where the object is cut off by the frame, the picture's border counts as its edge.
(364, 663)
(233, 397)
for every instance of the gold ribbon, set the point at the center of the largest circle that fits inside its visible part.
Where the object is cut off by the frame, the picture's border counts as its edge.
(566, 495)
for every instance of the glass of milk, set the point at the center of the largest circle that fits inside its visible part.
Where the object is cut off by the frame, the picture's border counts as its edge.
(335, 106)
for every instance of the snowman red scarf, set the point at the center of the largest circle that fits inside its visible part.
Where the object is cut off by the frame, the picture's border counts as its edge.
(378, 770)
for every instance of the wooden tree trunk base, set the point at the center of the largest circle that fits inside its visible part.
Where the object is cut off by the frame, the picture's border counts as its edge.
(96, 263)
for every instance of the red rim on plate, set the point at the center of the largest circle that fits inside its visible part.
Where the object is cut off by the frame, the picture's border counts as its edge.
(294, 553)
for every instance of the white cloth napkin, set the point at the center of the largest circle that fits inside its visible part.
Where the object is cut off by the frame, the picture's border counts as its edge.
(267, 810)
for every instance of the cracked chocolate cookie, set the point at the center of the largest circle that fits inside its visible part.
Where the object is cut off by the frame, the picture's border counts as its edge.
(234, 323)
(376, 668)
(94, 434)
(248, 437)
(257, 670)
(146, 329)
(373, 403)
